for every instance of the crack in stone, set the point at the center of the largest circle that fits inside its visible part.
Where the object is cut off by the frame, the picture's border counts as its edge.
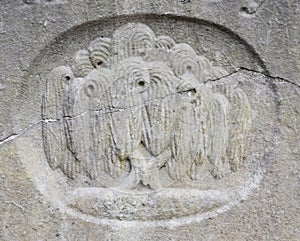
(272, 77)
(238, 70)
(112, 109)
(8, 138)
(222, 77)
(13, 136)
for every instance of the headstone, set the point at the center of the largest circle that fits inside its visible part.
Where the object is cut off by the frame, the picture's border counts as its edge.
(149, 120)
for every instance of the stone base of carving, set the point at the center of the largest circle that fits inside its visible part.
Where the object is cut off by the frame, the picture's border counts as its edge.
(163, 205)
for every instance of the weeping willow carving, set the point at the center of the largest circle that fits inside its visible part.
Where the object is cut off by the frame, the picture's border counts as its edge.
(136, 107)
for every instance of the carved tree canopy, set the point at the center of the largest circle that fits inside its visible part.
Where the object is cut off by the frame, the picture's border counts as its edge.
(136, 109)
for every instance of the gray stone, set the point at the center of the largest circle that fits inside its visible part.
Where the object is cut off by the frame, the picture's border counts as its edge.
(149, 120)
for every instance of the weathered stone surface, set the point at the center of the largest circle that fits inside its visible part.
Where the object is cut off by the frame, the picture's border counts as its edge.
(149, 120)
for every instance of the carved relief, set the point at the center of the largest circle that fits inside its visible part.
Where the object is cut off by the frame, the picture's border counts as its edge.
(136, 109)
(139, 112)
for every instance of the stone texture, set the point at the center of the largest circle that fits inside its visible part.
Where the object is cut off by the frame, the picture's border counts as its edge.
(248, 46)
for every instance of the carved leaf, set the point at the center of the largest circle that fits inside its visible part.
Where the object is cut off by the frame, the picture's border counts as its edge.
(183, 60)
(132, 40)
(164, 42)
(85, 124)
(53, 112)
(126, 98)
(200, 110)
(55, 97)
(240, 116)
(219, 134)
(83, 65)
(158, 124)
(100, 52)
(160, 111)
